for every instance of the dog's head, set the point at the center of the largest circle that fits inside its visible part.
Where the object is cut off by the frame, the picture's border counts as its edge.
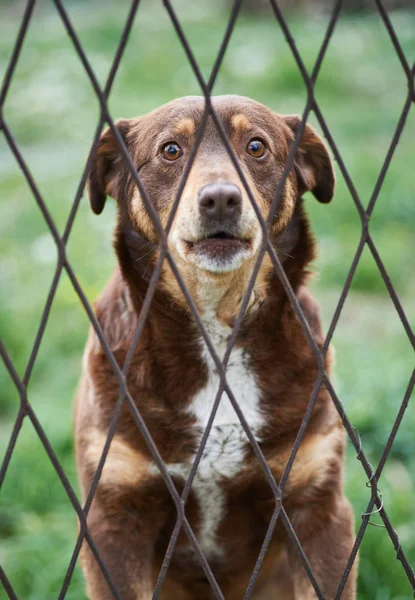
(215, 228)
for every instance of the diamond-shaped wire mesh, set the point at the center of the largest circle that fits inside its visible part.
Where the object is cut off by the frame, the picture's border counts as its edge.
(124, 398)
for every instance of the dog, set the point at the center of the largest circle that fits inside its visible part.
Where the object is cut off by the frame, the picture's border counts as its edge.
(215, 239)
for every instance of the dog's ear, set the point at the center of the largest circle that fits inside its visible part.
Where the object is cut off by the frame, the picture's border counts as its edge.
(313, 165)
(108, 166)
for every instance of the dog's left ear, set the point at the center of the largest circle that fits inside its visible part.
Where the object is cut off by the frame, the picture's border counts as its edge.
(108, 167)
(313, 165)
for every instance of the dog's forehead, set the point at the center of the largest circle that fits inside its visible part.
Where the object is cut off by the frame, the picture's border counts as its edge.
(183, 115)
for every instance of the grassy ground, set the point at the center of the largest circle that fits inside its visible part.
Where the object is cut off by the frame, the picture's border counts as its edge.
(53, 113)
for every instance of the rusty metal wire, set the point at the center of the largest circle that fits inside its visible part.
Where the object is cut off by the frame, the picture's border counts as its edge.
(376, 504)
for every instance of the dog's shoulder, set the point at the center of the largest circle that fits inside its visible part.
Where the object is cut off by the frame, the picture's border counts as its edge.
(115, 312)
(311, 311)
(116, 320)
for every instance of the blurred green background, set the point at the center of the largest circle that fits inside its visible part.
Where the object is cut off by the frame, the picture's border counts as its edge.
(52, 111)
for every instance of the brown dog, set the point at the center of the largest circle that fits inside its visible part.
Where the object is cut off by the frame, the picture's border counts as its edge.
(215, 239)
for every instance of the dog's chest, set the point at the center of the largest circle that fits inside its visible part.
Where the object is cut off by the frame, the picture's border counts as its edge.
(225, 451)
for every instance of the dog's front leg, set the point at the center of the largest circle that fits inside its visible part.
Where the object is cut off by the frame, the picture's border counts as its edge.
(125, 542)
(326, 535)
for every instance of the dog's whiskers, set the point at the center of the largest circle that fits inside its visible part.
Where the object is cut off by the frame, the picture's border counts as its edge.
(147, 253)
(146, 269)
(285, 253)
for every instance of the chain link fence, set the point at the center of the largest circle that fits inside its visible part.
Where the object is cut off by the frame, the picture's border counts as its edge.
(26, 411)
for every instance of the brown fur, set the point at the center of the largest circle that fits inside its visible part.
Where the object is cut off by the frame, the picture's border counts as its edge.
(132, 515)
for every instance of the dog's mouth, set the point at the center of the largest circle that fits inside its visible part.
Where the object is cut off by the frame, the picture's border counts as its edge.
(219, 245)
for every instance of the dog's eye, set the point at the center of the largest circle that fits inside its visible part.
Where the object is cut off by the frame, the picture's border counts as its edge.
(172, 151)
(256, 148)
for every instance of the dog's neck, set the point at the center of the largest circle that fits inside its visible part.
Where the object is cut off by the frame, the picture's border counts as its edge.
(218, 295)
(221, 294)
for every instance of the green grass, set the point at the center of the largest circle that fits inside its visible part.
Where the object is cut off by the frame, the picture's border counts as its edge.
(52, 112)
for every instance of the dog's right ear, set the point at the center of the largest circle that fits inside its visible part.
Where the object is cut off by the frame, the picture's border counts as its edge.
(107, 167)
(312, 164)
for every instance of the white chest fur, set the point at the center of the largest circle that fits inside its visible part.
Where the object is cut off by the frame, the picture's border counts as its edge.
(224, 453)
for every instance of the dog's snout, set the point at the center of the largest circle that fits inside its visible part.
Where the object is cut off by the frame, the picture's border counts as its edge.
(220, 201)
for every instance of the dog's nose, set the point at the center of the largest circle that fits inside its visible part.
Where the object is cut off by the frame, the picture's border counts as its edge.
(219, 201)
